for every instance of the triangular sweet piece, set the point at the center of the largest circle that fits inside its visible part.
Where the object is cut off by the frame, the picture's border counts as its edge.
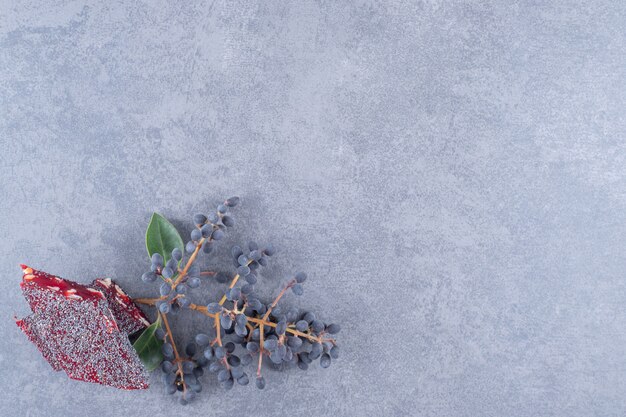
(74, 328)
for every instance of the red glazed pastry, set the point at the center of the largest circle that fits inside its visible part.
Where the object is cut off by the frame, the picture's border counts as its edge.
(75, 330)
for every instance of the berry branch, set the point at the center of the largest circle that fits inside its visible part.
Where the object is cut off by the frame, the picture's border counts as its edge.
(265, 322)
(285, 337)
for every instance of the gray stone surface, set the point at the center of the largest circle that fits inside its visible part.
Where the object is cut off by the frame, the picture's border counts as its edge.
(452, 176)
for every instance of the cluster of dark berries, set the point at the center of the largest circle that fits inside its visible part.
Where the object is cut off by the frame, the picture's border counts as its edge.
(240, 328)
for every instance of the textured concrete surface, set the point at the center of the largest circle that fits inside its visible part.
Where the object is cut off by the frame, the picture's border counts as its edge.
(452, 176)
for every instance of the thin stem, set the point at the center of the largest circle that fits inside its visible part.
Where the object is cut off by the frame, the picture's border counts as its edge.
(258, 370)
(250, 332)
(278, 297)
(232, 284)
(176, 356)
(190, 261)
(218, 338)
(218, 330)
(201, 309)
(260, 322)
(148, 301)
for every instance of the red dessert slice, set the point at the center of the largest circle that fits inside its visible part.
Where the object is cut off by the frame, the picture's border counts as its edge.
(128, 316)
(74, 328)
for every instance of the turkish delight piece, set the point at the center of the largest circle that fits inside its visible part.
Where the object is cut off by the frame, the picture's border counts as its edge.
(74, 328)
(129, 317)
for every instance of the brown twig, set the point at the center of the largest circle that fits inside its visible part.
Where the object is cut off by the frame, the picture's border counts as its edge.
(190, 261)
(261, 322)
(278, 297)
(178, 360)
(201, 309)
(148, 301)
(218, 338)
(258, 370)
(232, 284)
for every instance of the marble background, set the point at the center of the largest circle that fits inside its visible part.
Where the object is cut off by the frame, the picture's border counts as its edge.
(451, 175)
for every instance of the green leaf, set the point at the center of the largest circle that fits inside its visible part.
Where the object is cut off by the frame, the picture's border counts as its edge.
(148, 347)
(162, 237)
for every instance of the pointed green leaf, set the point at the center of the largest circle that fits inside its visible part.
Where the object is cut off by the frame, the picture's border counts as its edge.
(148, 347)
(162, 237)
